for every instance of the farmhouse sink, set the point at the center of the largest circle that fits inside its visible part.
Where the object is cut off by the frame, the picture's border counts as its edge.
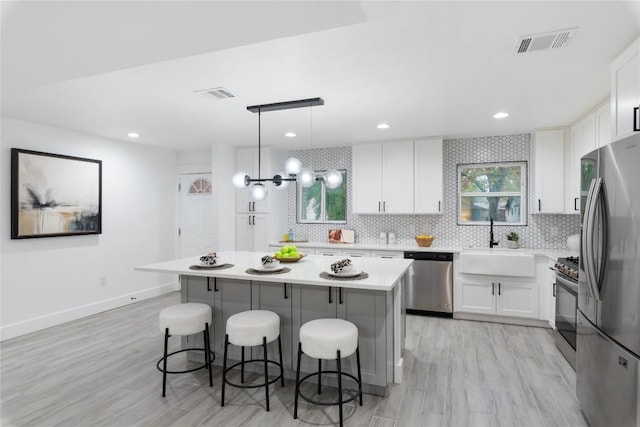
(497, 262)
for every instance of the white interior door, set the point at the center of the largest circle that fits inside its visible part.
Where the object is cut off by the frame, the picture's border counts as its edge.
(196, 215)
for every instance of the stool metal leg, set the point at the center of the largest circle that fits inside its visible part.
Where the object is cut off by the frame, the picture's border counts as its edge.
(281, 365)
(319, 376)
(359, 373)
(295, 406)
(207, 351)
(339, 387)
(266, 370)
(164, 369)
(242, 367)
(224, 367)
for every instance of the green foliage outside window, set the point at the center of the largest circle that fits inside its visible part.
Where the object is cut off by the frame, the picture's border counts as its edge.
(318, 204)
(492, 191)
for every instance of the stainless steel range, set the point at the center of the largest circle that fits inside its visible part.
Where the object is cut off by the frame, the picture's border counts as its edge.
(566, 292)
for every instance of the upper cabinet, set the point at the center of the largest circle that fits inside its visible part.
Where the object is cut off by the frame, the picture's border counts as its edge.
(589, 133)
(625, 93)
(603, 125)
(428, 175)
(383, 178)
(549, 147)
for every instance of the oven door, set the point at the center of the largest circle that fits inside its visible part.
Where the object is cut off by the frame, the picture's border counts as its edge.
(566, 308)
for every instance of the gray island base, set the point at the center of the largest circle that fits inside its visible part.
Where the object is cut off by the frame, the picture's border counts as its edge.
(374, 305)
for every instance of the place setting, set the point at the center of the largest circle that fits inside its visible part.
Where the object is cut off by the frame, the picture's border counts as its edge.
(268, 265)
(344, 270)
(210, 261)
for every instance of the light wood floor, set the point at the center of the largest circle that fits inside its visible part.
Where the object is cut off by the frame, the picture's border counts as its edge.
(101, 371)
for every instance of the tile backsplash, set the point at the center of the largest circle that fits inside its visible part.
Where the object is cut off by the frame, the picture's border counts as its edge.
(536, 234)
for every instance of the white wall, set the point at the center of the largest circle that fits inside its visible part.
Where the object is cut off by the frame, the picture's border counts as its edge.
(48, 281)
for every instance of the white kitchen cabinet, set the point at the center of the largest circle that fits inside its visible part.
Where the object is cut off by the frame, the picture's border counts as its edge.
(259, 222)
(382, 177)
(356, 253)
(252, 232)
(603, 125)
(517, 299)
(428, 175)
(475, 295)
(329, 252)
(496, 295)
(625, 92)
(584, 139)
(549, 171)
(387, 254)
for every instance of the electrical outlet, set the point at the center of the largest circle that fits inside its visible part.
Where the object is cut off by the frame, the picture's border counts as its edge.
(103, 280)
(554, 231)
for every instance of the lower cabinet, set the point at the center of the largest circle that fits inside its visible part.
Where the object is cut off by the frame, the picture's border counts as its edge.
(366, 309)
(226, 298)
(502, 296)
(275, 297)
(370, 311)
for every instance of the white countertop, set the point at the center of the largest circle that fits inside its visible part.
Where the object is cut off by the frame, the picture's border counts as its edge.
(383, 273)
(550, 253)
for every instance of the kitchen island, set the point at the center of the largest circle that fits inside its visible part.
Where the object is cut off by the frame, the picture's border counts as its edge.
(374, 304)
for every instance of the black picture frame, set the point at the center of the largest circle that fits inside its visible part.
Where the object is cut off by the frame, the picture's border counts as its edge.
(54, 195)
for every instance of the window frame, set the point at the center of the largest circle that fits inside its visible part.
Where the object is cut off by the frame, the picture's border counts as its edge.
(323, 203)
(523, 193)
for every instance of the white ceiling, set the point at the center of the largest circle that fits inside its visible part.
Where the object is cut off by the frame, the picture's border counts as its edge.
(426, 68)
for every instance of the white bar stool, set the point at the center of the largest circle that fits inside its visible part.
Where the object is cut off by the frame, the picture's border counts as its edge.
(328, 339)
(249, 329)
(181, 320)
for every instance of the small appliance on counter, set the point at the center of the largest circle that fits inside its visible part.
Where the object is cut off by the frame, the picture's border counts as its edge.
(392, 238)
(382, 238)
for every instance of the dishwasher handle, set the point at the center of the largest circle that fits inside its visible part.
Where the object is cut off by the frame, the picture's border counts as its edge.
(429, 256)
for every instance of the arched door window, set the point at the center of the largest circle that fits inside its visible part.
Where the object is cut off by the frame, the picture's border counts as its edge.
(200, 186)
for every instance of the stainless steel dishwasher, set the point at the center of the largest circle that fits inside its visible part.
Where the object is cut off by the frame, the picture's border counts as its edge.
(430, 286)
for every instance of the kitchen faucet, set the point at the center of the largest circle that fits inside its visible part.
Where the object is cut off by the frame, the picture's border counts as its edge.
(492, 242)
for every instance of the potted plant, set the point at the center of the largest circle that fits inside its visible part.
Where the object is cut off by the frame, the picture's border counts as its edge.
(512, 240)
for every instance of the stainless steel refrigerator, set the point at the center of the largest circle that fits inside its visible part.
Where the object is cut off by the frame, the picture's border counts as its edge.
(608, 342)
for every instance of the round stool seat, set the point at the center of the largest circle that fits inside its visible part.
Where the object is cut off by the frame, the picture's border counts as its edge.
(322, 338)
(249, 327)
(185, 319)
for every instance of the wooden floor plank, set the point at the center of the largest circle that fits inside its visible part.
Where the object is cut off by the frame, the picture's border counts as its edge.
(100, 371)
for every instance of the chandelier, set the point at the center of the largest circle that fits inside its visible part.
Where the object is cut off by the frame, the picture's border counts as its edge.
(293, 169)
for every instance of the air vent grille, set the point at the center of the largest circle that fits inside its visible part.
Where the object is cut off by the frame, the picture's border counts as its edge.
(545, 41)
(216, 92)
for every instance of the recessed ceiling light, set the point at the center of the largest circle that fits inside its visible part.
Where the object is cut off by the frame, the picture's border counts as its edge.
(290, 134)
(133, 135)
(383, 126)
(500, 115)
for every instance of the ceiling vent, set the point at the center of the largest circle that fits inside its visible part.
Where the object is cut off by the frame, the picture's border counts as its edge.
(545, 41)
(216, 92)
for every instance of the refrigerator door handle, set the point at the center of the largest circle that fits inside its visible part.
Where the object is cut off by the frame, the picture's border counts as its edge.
(584, 249)
(590, 267)
(600, 246)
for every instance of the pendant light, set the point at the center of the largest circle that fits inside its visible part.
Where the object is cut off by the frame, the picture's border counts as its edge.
(294, 171)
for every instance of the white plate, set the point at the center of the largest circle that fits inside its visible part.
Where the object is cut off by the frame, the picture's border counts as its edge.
(261, 267)
(217, 264)
(351, 273)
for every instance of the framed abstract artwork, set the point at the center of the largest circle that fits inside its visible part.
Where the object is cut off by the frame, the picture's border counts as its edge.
(54, 195)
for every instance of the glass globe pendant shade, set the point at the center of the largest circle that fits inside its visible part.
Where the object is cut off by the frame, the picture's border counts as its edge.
(259, 191)
(306, 178)
(240, 179)
(332, 178)
(278, 181)
(292, 166)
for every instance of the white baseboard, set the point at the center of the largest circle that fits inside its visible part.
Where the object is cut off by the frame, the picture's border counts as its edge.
(38, 323)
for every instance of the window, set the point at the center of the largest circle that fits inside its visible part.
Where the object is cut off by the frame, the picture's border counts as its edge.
(495, 191)
(319, 204)
(200, 186)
